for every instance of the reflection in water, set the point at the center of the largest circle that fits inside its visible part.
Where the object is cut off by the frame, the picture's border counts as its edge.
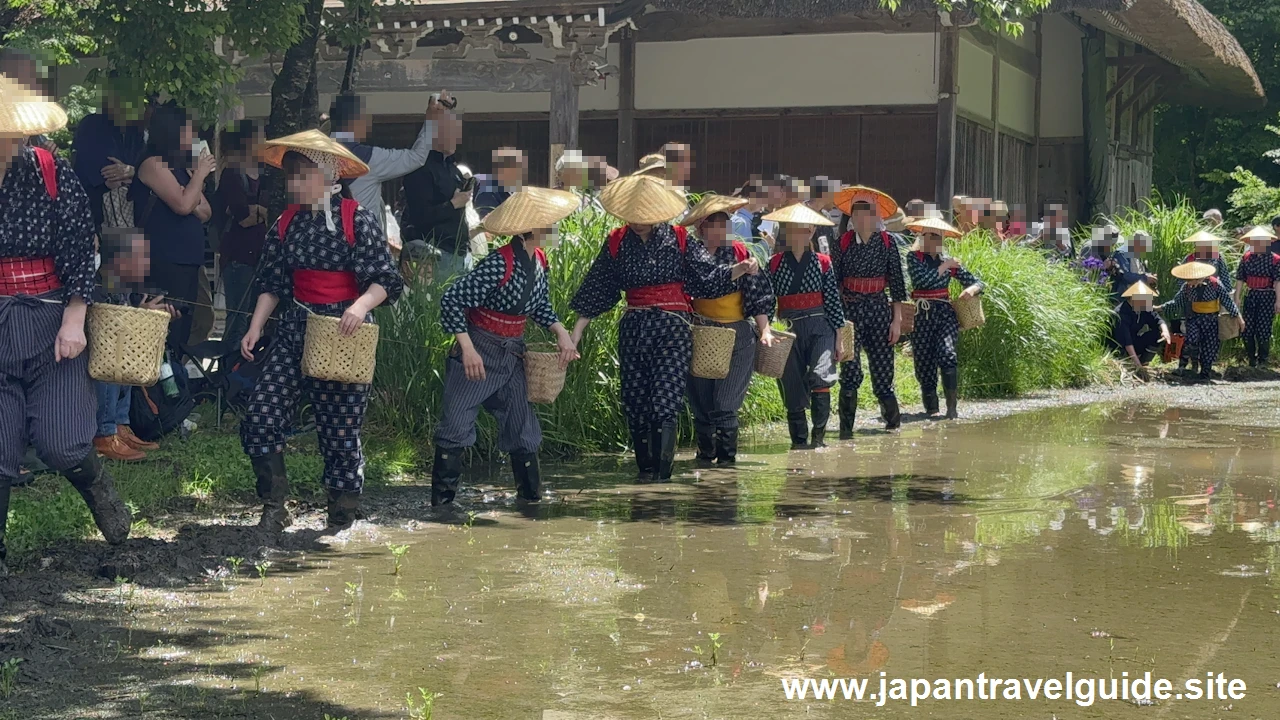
(1090, 540)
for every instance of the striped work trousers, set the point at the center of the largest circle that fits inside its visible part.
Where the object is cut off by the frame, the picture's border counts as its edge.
(503, 392)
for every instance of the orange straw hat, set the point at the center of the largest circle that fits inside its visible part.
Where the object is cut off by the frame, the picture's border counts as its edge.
(885, 205)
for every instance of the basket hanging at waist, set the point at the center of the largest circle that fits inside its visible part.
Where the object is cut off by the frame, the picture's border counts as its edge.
(864, 285)
(1205, 307)
(800, 301)
(938, 294)
(28, 276)
(1258, 282)
(724, 309)
(669, 296)
(496, 322)
(325, 287)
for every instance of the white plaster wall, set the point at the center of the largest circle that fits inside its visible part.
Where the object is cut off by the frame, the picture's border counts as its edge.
(1017, 100)
(1063, 71)
(787, 71)
(975, 79)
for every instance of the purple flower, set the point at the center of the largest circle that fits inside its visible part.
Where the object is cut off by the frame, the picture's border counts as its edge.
(1092, 263)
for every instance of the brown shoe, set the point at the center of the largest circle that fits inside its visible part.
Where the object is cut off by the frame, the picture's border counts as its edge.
(126, 434)
(114, 448)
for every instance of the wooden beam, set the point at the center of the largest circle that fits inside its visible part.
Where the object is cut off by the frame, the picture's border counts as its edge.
(414, 74)
(683, 114)
(1141, 86)
(1150, 105)
(948, 97)
(564, 112)
(1146, 60)
(627, 101)
(1011, 52)
(1130, 72)
(1034, 200)
(674, 26)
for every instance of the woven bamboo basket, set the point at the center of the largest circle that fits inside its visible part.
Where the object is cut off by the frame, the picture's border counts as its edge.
(543, 374)
(771, 361)
(844, 341)
(126, 344)
(712, 351)
(908, 317)
(329, 355)
(1228, 328)
(969, 312)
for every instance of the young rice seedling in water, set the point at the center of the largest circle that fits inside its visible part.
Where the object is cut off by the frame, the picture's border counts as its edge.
(9, 677)
(421, 708)
(397, 556)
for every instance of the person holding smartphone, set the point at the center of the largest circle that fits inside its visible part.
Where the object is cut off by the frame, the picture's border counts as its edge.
(437, 195)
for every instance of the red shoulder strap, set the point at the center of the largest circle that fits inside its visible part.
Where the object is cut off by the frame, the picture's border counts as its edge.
(541, 256)
(508, 257)
(615, 240)
(824, 262)
(740, 251)
(286, 217)
(888, 242)
(920, 255)
(1275, 258)
(348, 209)
(682, 237)
(48, 171)
(775, 262)
(845, 239)
(1189, 258)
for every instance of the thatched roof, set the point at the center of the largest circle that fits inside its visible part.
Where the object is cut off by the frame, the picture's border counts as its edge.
(831, 8)
(1189, 36)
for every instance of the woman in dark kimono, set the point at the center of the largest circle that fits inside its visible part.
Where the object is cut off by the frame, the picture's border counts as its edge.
(1205, 251)
(933, 342)
(658, 269)
(1201, 299)
(314, 262)
(46, 284)
(746, 311)
(486, 309)
(809, 299)
(1259, 272)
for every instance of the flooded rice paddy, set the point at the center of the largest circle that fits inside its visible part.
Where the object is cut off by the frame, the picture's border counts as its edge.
(1095, 540)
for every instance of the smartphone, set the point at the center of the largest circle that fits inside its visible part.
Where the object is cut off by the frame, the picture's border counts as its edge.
(469, 185)
(451, 103)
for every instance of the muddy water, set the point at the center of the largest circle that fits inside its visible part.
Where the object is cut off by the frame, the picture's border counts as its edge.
(1094, 540)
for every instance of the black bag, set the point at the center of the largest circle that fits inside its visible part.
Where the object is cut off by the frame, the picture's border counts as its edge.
(152, 414)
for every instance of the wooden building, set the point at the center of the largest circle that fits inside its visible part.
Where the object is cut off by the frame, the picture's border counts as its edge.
(921, 103)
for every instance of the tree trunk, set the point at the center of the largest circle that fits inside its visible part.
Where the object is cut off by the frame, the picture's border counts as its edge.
(295, 97)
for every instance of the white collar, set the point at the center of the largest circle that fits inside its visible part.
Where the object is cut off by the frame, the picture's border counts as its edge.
(344, 136)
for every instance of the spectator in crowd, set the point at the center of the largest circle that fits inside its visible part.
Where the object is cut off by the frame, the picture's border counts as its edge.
(108, 146)
(243, 213)
(509, 175)
(1213, 217)
(436, 197)
(1275, 228)
(349, 125)
(1053, 234)
(679, 160)
(822, 198)
(170, 207)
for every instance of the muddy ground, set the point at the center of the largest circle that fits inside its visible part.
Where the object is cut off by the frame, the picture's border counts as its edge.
(68, 617)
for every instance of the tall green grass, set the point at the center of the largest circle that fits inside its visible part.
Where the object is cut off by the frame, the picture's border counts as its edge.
(1045, 327)
(1169, 223)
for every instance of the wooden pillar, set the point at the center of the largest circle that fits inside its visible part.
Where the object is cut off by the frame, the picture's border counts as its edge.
(995, 121)
(1034, 200)
(564, 112)
(948, 90)
(627, 101)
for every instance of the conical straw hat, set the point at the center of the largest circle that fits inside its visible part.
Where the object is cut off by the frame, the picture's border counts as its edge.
(711, 204)
(654, 164)
(349, 166)
(1140, 288)
(642, 199)
(531, 208)
(1193, 271)
(934, 225)
(845, 199)
(25, 112)
(1259, 232)
(1203, 237)
(798, 214)
(897, 223)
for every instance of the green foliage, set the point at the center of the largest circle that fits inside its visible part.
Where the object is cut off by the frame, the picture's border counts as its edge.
(1168, 224)
(79, 102)
(1045, 328)
(1003, 16)
(1253, 201)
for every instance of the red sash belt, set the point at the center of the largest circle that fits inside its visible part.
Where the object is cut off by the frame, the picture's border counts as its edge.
(325, 287)
(1258, 282)
(496, 322)
(28, 276)
(864, 285)
(938, 294)
(667, 297)
(800, 301)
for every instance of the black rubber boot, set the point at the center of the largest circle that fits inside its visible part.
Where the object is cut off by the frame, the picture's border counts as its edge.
(727, 446)
(528, 477)
(951, 388)
(820, 409)
(890, 412)
(646, 462)
(445, 473)
(97, 488)
(848, 414)
(344, 508)
(273, 490)
(1251, 351)
(798, 424)
(706, 438)
(6, 485)
(1205, 376)
(929, 394)
(665, 442)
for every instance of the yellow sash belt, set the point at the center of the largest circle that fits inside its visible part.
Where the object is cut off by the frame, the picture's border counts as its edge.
(724, 309)
(1205, 307)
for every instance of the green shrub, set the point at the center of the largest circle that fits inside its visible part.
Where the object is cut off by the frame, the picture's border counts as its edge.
(1168, 224)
